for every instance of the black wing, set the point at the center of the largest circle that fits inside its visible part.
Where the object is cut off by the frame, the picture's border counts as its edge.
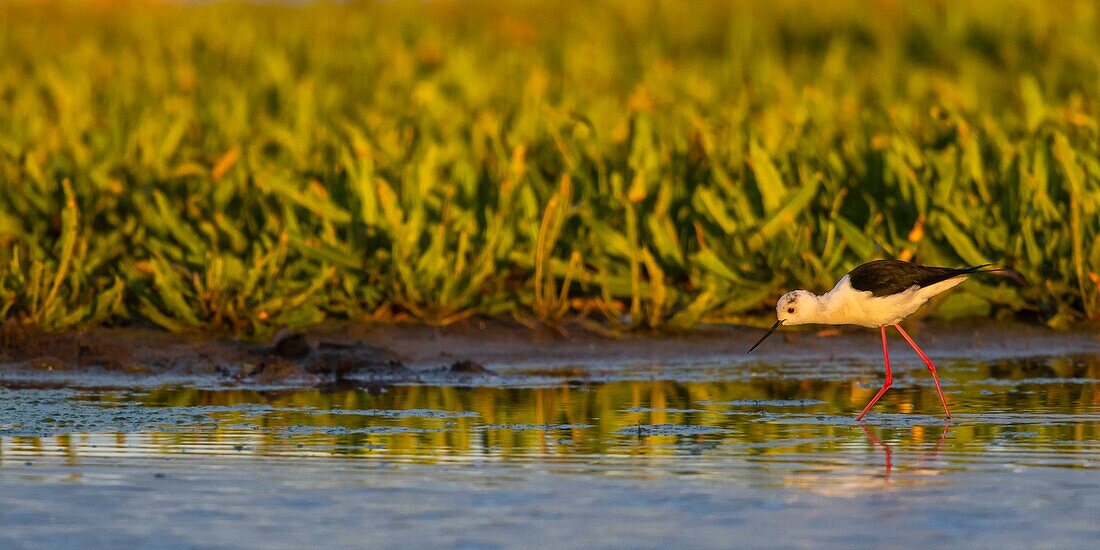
(886, 277)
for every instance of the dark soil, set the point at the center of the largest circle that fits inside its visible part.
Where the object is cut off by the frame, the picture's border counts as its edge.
(404, 353)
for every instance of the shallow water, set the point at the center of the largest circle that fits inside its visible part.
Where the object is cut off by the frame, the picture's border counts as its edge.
(643, 455)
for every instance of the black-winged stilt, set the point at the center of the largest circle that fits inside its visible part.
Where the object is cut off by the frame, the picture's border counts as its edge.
(875, 294)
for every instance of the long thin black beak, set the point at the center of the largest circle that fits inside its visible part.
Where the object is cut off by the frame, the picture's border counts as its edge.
(766, 335)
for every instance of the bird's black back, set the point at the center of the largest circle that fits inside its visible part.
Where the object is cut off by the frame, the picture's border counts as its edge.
(887, 277)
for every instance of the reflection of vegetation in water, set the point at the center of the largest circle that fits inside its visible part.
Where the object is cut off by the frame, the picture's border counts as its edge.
(1030, 400)
(1017, 407)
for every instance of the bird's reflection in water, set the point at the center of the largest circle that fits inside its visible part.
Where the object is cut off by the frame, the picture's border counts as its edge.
(887, 450)
(852, 477)
(918, 464)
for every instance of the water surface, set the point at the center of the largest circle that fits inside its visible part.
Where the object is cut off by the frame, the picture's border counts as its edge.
(573, 457)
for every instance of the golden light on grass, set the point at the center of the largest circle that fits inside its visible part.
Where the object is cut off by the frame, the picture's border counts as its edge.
(385, 160)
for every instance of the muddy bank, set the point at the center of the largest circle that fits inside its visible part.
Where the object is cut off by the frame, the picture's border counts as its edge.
(476, 350)
(502, 346)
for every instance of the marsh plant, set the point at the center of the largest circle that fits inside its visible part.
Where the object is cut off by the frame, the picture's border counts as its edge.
(239, 167)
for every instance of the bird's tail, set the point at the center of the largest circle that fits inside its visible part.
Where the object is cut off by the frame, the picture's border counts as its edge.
(978, 269)
(1006, 272)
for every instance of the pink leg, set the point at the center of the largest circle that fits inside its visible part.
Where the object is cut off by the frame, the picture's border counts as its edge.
(927, 362)
(886, 384)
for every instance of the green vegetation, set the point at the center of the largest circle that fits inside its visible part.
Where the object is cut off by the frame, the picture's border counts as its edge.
(235, 168)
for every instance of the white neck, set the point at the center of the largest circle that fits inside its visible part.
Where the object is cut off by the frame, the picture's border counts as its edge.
(830, 309)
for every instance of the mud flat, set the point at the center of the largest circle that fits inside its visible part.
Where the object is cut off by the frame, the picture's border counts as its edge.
(412, 353)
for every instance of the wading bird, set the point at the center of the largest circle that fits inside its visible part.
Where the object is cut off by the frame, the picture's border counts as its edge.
(875, 294)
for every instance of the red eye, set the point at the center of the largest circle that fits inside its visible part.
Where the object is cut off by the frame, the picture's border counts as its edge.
(790, 310)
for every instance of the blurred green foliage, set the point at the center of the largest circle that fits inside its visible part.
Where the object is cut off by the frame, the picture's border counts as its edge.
(236, 168)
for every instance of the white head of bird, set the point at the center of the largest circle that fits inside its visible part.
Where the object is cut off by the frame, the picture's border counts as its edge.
(798, 307)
